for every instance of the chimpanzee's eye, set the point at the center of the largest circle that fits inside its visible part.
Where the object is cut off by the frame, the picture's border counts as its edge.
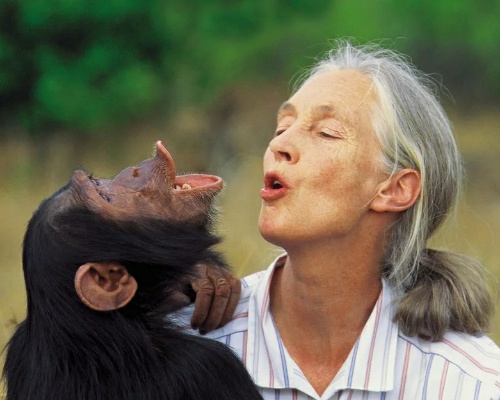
(105, 197)
(95, 181)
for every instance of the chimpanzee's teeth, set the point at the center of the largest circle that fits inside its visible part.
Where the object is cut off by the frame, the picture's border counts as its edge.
(277, 185)
(185, 186)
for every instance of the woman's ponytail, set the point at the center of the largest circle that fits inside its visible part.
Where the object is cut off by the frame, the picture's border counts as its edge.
(450, 292)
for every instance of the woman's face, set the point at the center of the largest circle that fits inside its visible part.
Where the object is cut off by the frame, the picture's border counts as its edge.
(323, 166)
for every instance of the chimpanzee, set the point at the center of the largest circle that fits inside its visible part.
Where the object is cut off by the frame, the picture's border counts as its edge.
(102, 261)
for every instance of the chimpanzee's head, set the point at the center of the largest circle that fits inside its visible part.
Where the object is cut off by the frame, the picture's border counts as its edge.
(106, 241)
(150, 190)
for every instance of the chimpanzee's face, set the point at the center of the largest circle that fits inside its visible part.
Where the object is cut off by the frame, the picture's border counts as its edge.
(150, 189)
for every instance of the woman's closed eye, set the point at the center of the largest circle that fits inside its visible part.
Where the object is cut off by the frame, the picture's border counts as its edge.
(329, 134)
(279, 131)
(326, 135)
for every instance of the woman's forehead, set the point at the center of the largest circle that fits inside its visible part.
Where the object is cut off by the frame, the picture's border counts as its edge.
(339, 85)
(347, 95)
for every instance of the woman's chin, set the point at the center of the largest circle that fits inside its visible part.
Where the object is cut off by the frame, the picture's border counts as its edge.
(273, 235)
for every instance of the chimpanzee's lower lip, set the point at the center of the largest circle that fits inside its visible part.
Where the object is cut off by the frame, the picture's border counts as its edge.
(198, 182)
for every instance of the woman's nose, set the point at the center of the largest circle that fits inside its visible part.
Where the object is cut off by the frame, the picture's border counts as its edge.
(283, 148)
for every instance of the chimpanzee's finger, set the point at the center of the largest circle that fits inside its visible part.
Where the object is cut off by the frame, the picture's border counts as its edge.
(235, 285)
(220, 299)
(204, 289)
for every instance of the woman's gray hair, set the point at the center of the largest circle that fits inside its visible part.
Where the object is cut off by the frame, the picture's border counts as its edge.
(441, 290)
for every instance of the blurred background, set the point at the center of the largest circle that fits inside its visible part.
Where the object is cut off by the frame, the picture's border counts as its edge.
(93, 84)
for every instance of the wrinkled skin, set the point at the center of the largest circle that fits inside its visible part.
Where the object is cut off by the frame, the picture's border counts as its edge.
(152, 189)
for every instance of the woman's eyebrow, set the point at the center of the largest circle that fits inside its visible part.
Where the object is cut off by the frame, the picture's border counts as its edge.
(287, 109)
(324, 111)
(320, 112)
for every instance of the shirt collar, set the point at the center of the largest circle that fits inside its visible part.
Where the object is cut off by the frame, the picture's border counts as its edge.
(369, 366)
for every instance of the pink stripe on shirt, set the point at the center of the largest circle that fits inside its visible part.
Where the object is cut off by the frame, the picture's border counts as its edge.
(473, 360)
(405, 371)
(443, 379)
(374, 336)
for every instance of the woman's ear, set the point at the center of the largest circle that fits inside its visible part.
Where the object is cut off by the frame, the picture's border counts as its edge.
(104, 286)
(398, 193)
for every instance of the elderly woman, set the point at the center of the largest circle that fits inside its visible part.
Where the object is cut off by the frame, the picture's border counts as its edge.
(362, 170)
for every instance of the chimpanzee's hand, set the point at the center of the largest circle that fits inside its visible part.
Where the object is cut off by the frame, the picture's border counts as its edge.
(217, 294)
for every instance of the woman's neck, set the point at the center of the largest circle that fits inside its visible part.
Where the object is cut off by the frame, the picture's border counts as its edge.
(320, 300)
(327, 290)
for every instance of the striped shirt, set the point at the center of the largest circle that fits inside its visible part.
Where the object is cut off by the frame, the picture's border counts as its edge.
(383, 364)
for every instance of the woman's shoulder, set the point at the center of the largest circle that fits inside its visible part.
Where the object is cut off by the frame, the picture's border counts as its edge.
(250, 281)
(476, 355)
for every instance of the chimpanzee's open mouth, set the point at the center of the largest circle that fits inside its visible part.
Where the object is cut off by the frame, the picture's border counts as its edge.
(188, 182)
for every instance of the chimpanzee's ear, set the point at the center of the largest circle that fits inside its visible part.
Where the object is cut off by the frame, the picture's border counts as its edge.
(104, 286)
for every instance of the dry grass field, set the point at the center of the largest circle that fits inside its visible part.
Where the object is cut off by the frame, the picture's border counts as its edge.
(24, 183)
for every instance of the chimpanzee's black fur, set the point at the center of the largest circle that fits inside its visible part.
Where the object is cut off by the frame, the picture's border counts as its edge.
(66, 351)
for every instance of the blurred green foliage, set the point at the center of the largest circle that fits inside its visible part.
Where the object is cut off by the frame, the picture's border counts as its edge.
(79, 66)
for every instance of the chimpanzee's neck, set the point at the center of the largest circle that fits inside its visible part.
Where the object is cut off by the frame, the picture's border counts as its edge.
(87, 350)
